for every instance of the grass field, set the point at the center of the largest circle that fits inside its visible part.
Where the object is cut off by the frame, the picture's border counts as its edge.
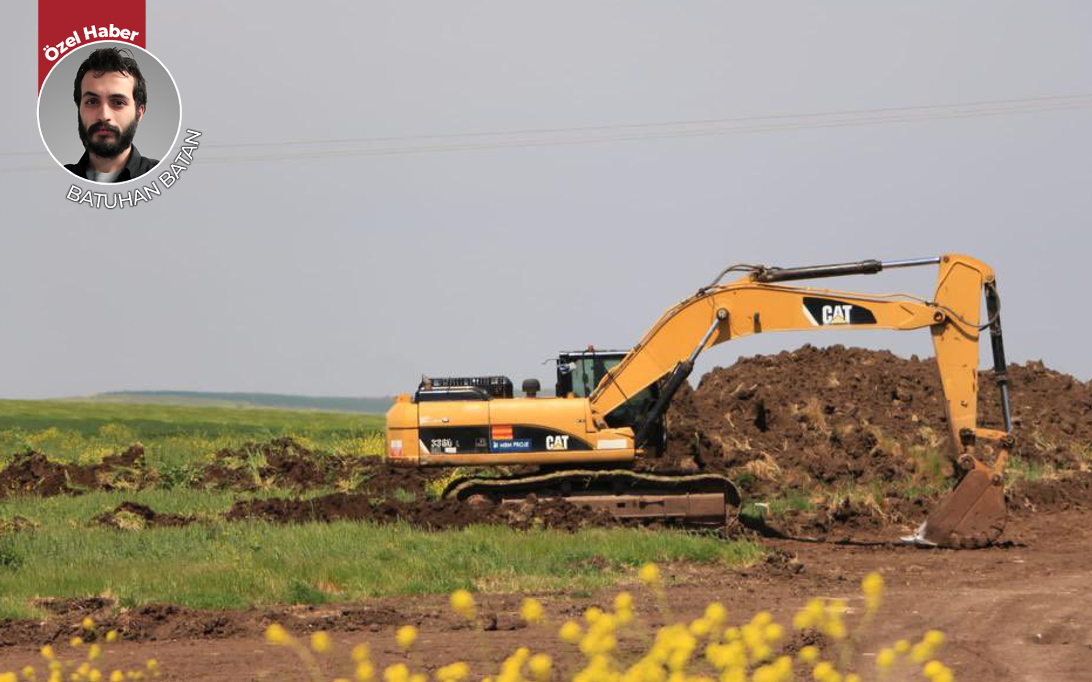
(218, 564)
(215, 564)
(172, 435)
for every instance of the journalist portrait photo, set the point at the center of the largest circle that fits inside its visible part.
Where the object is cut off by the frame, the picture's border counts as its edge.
(127, 112)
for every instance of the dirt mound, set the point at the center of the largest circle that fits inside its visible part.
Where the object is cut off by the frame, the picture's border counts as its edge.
(849, 415)
(281, 462)
(135, 516)
(285, 463)
(1052, 495)
(32, 473)
(433, 515)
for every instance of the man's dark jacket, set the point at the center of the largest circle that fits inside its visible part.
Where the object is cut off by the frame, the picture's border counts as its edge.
(136, 166)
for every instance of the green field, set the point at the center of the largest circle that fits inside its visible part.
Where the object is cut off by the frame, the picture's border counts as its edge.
(172, 435)
(53, 549)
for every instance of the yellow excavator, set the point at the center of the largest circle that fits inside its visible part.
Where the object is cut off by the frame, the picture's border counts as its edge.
(608, 406)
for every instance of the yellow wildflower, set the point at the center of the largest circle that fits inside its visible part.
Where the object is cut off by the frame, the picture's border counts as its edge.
(276, 634)
(88, 624)
(28, 673)
(933, 638)
(454, 672)
(531, 610)
(406, 636)
(623, 601)
(361, 652)
(716, 614)
(809, 654)
(902, 647)
(570, 632)
(540, 666)
(93, 652)
(649, 574)
(463, 604)
(365, 671)
(396, 673)
(320, 642)
(112, 636)
(47, 652)
(117, 676)
(76, 641)
(872, 587)
(885, 659)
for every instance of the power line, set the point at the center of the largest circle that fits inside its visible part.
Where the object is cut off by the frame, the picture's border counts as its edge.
(564, 136)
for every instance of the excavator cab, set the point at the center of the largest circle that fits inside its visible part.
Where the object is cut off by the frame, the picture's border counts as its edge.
(579, 373)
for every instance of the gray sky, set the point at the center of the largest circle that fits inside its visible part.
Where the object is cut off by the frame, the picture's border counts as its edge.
(352, 275)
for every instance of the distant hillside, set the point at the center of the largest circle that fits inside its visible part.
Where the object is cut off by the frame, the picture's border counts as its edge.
(267, 400)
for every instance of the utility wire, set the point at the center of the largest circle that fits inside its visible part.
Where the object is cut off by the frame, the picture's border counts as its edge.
(546, 137)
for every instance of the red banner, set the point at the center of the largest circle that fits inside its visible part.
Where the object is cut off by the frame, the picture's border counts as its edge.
(64, 25)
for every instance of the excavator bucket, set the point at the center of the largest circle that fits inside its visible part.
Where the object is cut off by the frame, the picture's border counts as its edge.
(972, 515)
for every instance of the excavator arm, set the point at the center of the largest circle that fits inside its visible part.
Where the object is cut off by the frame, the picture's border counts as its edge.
(760, 301)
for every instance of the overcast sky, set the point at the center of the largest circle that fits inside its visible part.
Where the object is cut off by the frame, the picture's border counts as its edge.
(350, 268)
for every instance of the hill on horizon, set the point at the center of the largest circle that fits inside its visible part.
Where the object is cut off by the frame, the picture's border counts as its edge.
(241, 399)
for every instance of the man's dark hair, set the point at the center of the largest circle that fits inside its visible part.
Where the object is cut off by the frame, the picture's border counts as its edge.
(107, 59)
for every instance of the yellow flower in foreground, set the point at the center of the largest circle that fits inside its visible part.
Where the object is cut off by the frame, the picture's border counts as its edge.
(47, 652)
(455, 672)
(76, 641)
(93, 652)
(463, 604)
(531, 610)
(396, 673)
(276, 634)
(406, 636)
(365, 672)
(117, 676)
(540, 666)
(623, 601)
(28, 672)
(649, 574)
(570, 632)
(88, 624)
(112, 636)
(320, 642)
(809, 654)
(885, 659)
(9, 677)
(872, 586)
(933, 638)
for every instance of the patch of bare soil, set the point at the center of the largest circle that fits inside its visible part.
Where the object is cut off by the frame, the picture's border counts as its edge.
(435, 515)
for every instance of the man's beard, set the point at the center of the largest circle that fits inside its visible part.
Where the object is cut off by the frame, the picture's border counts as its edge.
(107, 150)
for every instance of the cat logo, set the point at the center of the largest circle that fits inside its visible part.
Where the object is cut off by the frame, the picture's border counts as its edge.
(836, 314)
(822, 312)
(557, 442)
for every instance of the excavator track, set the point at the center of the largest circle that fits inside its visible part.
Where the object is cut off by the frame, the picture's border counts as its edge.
(693, 500)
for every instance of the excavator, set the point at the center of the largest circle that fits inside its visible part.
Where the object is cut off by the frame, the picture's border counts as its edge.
(608, 408)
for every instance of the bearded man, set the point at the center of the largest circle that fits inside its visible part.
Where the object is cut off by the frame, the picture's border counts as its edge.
(111, 97)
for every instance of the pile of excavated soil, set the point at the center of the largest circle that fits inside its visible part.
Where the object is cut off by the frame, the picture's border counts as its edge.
(849, 415)
(135, 516)
(32, 473)
(285, 463)
(441, 514)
